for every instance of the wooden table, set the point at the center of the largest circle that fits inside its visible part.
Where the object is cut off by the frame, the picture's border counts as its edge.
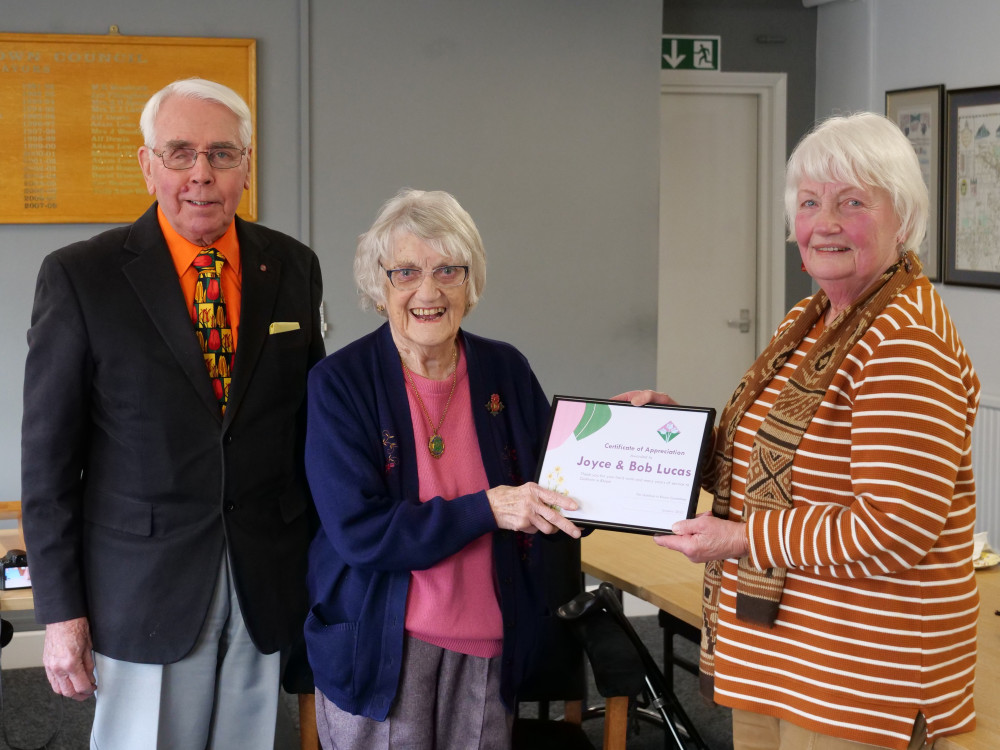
(669, 581)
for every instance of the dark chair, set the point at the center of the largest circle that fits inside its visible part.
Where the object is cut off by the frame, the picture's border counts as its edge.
(560, 676)
(567, 733)
(623, 670)
(661, 705)
(618, 674)
(297, 679)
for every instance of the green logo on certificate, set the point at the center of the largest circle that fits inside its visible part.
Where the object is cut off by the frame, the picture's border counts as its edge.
(668, 432)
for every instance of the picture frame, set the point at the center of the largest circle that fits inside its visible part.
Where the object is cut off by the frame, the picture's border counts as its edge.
(629, 468)
(972, 189)
(919, 113)
(69, 124)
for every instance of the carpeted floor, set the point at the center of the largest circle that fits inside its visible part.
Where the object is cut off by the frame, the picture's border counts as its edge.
(33, 717)
(31, 713)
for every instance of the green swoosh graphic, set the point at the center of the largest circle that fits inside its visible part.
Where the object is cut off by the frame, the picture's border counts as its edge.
(595, 416)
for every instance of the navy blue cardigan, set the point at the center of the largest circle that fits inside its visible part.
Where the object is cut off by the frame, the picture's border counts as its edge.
(362, 470)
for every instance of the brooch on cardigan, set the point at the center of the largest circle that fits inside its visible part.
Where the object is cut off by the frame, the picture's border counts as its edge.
(494, 406)
(389, 444)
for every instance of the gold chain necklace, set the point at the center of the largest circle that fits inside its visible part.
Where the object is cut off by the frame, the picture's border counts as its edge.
(436, 444)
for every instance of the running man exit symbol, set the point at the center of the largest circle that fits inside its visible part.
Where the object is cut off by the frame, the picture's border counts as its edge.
(688, 52)
(703, 54)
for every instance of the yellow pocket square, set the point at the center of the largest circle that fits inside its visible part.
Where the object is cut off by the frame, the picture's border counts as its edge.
(283, 327)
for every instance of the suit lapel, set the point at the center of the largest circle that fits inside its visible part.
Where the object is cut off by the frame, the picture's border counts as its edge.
(154, 278)
(261, 277)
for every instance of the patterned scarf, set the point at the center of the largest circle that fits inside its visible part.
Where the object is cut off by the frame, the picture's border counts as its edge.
(769, 475)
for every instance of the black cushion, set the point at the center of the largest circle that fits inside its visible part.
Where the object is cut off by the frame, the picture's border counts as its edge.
(617, 666)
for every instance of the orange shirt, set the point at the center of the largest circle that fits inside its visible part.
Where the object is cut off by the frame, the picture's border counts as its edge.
(184, 253)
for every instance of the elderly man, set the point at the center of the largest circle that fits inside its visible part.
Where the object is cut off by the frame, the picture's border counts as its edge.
(166, 514)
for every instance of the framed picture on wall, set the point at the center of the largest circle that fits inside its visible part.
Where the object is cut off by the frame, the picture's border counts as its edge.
(69, 132)
(972, 235)
(919, 114)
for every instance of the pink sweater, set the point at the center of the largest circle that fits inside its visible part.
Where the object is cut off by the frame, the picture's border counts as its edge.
(453, 604)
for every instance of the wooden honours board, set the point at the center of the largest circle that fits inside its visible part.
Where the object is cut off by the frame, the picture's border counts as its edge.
(69, 119)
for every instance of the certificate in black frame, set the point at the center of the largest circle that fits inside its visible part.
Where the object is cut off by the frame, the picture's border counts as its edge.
(651, 449)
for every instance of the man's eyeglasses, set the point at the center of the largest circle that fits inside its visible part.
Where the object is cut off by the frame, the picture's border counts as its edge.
(405, 279)
(218, 158)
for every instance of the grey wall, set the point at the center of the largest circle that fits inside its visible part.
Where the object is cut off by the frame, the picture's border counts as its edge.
(762, 36)
(868, 47)
(542, 118)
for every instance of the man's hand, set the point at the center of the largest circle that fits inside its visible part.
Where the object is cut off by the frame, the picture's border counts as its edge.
(68, 658)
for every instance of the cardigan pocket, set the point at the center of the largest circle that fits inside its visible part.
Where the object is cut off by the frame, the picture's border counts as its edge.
(332, 649)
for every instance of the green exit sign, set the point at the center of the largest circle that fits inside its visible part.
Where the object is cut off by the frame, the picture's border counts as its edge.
(689, 52)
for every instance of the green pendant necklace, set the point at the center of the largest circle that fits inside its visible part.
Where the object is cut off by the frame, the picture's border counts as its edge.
(436, 443)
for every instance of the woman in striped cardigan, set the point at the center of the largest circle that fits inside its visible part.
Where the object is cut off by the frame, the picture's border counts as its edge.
(841, 604)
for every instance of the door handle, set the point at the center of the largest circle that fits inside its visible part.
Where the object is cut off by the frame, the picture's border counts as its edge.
(743, 323)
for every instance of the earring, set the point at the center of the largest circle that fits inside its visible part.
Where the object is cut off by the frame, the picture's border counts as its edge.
(380, 308)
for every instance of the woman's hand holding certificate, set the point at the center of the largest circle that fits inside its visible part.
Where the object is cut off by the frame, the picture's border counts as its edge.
(642, 398)
(705, 538)
(530, 508)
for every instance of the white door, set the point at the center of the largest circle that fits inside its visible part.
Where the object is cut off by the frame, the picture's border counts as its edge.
(721, 232)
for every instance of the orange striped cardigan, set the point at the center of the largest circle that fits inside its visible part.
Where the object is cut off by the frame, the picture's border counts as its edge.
(877, 621)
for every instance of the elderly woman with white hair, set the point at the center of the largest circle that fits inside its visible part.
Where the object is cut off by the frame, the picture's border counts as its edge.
(840, 604)
(427, 586)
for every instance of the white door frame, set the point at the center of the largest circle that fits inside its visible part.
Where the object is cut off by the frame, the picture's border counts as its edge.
(770, 89)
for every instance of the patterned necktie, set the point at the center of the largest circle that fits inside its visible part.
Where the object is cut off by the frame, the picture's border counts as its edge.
(212, 324)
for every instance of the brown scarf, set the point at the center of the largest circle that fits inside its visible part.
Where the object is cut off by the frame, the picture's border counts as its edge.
(769, 475)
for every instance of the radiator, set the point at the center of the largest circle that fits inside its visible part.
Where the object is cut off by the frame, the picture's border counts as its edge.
(986, 465)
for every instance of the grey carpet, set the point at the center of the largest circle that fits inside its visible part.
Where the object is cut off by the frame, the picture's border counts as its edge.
(31, 712)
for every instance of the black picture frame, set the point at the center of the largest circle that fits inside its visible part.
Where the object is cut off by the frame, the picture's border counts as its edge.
(625, 460)
(972, 189)
(919, 113)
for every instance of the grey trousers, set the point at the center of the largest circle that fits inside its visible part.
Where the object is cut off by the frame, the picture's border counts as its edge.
(222, 695)
(445, 701)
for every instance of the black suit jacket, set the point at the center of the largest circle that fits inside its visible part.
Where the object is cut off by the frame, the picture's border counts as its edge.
(133, 484)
